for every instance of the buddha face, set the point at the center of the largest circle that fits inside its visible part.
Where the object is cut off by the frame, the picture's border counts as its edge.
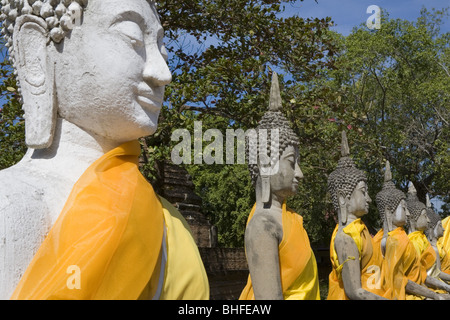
(111, 71)
(438, 230)
(400, 214)
(358, 203)
(285, 181)
(422, 221)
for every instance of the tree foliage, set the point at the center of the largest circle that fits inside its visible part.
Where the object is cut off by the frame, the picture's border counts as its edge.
(388, 88)
(223, 53)
(394, 83)
(12, 127)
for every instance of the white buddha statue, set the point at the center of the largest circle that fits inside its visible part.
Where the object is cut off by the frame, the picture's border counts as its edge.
(92, 76)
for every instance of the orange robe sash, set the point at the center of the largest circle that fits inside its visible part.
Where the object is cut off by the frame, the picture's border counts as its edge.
(425, 251)
(298, 268)
(107, 240)
(370, 272)
(401, 263)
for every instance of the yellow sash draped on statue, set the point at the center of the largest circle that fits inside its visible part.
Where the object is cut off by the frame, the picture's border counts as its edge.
(401, 263)
(446, 236)
(185, 276)
(444, 246)
(370, 272)
(376, 240)
(107, 242)
(444, 256)
(298, 268)
(425, 251)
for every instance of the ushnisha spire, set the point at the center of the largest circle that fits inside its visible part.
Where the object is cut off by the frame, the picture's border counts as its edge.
(345, 150)
(412, 190)
(387, 172)
(275, 103)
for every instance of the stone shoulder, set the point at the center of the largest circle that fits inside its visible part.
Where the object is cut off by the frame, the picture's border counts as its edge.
(265, 223)
(18, 188)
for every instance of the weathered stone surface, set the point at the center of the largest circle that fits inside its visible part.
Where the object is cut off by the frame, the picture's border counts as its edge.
(83, 95)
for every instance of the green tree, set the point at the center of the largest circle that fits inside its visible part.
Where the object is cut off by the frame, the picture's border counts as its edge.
(222, 56)
(12, 127)
(395, 89)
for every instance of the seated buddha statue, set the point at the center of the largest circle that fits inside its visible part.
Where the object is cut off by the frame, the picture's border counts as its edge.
(281, 262)
(356, 265)
(418, 222)
(402, 274)
(78, 220)
(434, 232)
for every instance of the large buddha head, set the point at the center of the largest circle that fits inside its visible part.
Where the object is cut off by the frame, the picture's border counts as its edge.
(435, 229)
(391, 202)
(275, 146)
(418, 218)
(347, 186)
(99, 64)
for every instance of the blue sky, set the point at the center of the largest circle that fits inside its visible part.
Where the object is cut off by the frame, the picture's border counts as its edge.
(347, 14)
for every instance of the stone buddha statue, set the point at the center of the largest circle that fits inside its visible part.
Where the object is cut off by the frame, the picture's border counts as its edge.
(77, 219)
(356, 269)
(281, 262)
(418, 222)
(434, 232)
(401, 269)
(443, 251)
(391, 204)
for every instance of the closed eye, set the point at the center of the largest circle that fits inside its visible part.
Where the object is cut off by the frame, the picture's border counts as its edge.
(131, 30)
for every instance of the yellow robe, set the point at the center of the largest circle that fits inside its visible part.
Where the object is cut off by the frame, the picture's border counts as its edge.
(376, 240)
(370, 272)
(298, 267)
(115, 239)
(446, 237)
(401, 263)
(425, 251)
(444, 256)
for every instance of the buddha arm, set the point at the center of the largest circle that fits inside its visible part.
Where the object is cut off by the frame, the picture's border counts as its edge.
(261, 244)
(444, 276)
(417, 289)
(351, 271)
(437, 284)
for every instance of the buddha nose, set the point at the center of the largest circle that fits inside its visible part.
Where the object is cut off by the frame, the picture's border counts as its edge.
(407, 212)
(156, 71)
(298, 172)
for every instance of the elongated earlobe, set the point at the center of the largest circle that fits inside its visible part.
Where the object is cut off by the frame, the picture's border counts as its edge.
(388, 217)
(342, 207)
(264, 172)
(35, 75)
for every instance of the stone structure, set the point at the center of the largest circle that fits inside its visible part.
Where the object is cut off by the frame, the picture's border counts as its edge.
(178, 188)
